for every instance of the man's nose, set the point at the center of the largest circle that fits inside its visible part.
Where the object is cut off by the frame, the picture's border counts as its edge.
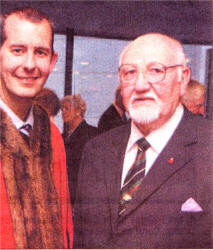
(29, 62)
(141, 83)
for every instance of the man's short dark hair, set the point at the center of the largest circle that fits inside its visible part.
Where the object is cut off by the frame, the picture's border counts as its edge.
(31, 14)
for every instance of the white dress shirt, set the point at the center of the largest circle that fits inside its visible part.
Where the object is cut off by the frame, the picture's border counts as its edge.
(157, 139)
(15, 119)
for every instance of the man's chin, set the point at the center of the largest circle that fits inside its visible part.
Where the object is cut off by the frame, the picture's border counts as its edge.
(143, 115)
(28, 93)
(27, 96)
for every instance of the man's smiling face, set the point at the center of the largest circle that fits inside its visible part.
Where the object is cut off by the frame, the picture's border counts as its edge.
(26, 57)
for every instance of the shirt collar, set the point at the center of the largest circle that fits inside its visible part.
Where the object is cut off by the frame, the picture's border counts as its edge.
(166, 131)
(15, 119)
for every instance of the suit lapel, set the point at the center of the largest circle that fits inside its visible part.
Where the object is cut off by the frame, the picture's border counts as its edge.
(174, 157)
(114, 168)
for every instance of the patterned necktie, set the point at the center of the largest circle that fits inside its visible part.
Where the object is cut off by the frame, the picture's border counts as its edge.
(134, 176)
(25, 132)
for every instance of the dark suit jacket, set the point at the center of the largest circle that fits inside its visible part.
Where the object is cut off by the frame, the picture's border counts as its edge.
(154, 219)
(74, 146)
(110, 119)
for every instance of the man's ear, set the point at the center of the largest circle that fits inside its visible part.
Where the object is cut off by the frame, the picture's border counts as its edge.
(185, 78)
(53, 60)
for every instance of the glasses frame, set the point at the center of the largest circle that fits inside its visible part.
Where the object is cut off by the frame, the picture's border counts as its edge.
(144, 72)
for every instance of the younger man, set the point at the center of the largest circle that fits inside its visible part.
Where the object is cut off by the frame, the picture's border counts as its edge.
(34, 197)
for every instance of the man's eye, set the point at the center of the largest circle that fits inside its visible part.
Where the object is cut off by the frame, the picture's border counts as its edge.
(40, 52)
(17, 51)
(155, 71)
(129, 72)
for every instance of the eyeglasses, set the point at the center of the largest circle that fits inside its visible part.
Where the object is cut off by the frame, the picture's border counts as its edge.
(154, 72)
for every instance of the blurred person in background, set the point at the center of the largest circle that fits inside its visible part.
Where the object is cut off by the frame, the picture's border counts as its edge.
(194, 97)
(115, 115)
(76, 134)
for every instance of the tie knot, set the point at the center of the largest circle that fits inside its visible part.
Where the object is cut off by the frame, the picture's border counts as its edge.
(26, 129)
(143, 144)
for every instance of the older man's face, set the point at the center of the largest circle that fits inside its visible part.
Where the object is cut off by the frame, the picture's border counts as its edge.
(147, 102)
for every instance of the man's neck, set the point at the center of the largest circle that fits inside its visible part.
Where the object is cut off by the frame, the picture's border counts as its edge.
(146, 129)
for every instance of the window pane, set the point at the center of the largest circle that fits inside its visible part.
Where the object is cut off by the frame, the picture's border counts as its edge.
(95, 77)
(56, 80)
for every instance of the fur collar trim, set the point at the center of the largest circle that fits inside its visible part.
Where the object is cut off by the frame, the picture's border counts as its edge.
(28, 176)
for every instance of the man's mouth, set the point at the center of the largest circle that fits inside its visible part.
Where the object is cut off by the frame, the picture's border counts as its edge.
(27, 78)
(142, 100)
(27, 81)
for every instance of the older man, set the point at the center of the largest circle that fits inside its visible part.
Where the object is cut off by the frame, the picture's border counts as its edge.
(34, 209)
(148, 184)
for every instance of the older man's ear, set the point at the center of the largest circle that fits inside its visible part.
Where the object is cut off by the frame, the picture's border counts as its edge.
(185, 78)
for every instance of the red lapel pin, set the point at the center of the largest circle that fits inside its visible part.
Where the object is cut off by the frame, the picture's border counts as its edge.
(171, 160)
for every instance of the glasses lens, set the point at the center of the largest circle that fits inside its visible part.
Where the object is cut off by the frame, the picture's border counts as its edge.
(128, 73)
(155, 72)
